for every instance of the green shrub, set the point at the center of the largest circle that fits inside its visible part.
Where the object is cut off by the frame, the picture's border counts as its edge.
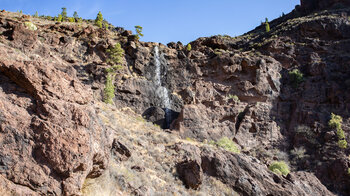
(138, 30)
(342, 144)
(99, 19)
(279, 167)
(298, 153)
(336, 122)
(109, 89)
(267, 25)
(228, 145)
(188, 47)
(277, 171)
(79, 20)
(233, 97)
(217, 52)
(71, 19)
(296, 77)
(59, 19)
(349, 171)
(30, 26)
(190, 139)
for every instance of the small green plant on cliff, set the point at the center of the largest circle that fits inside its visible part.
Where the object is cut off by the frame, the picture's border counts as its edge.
(349, 171)
(217, 51)
(188, 47)
(296, 77)
(30, 26)
(138, 30)
(228, 145)
(267, 25)
(99, 19)
(71, 19)
(336, 122)
(280, 168)
(233, 97)
(298, 154)
(342, 144)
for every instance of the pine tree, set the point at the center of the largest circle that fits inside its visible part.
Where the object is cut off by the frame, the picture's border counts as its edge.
(267, 25)
(109, 89)
(36, 15)
(138, 32)
(59, 19)
(64, 14)
(99, 19)
(116, 54)
(75, 15)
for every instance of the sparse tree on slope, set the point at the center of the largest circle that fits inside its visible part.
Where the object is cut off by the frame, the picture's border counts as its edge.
(99, 20)
(138, 32)
(64, 14)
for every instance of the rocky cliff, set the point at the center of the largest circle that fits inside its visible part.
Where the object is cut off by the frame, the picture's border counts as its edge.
(174, 108)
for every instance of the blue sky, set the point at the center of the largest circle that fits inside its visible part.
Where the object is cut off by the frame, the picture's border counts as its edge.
(167, 20)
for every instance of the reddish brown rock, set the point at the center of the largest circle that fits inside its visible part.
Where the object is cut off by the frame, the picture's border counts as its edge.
(50, 134)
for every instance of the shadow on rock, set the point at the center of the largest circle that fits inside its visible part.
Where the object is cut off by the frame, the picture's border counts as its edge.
(160, 116)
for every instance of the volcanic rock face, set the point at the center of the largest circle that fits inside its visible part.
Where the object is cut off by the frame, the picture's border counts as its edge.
(308, 6)
(50, 134)
(56, 137)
